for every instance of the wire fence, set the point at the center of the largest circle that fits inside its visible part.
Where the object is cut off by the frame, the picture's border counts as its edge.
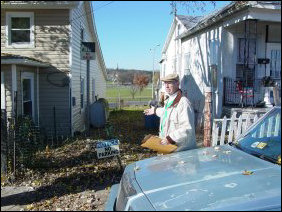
(20, 140)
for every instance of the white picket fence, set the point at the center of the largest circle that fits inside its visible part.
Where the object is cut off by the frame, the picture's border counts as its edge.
(234, 126)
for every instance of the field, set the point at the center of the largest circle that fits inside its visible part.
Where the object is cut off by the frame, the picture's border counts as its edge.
(112, 93)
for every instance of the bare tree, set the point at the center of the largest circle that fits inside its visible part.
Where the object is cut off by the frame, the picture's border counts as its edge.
(141, 81)
(191, 5)
(133, 89)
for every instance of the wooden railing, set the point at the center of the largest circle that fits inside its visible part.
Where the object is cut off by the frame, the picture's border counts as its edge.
(231, 128)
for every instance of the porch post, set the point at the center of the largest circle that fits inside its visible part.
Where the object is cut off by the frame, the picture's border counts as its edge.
(276, 97)
(14, 88)
(207, 117)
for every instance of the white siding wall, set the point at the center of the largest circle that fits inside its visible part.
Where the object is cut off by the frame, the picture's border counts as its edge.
(51, 34)
(78, 68)
(198, 47)
(6, 69)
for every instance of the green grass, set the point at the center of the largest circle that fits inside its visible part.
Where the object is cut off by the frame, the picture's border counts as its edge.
(112, 94)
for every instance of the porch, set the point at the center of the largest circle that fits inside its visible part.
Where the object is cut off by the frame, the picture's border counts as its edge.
(35, 89)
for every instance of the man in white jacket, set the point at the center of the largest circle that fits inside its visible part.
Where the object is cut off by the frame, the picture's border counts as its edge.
(176, 117)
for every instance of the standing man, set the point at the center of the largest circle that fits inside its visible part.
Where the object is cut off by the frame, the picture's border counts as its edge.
(176, 117)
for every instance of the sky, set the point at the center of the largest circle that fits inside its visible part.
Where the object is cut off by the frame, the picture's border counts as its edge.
(127, 30)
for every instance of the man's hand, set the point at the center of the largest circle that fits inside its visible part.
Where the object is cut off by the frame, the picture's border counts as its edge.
(164, 141)
(150, 111)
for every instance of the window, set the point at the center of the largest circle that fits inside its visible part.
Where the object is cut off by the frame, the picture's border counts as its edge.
(20, 29)
(28, 94)
(82, 83)
(275, 64)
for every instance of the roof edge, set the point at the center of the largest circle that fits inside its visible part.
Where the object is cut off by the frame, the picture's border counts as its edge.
(39, 4)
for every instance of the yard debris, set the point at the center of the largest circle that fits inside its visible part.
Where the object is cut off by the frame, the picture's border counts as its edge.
(216, 148)
(247, 172)
(71, 178)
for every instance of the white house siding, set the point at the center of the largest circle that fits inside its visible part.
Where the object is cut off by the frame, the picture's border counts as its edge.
(6, 69)
(78, 67)
(196, 50)
(51, 46)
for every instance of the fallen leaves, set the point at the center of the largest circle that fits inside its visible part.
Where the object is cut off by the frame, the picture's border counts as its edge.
(245, 172)
(71, 178)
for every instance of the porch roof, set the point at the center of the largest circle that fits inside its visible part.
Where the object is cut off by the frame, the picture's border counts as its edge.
(21, 60)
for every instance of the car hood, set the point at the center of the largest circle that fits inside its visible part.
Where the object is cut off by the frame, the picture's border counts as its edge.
(210, 179)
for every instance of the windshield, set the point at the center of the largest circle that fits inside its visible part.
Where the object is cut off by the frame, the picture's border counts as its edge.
(264, 139)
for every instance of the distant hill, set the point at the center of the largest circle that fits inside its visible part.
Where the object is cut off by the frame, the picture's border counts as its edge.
(127, 74)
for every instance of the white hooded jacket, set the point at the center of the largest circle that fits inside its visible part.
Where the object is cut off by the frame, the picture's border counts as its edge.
(179, 124)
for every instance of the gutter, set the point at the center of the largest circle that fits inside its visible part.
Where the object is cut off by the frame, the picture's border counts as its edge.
(208, 21)
(39, 4)
(24, 62)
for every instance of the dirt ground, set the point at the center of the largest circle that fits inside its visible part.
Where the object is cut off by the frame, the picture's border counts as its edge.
(70, 177)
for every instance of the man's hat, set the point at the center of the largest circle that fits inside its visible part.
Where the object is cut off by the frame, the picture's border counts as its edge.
(170, 78)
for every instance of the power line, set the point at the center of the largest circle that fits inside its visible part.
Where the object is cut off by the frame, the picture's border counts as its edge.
(91, 12)
(104, 5)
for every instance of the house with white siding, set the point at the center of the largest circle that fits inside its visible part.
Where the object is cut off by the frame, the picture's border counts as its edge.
(42, 73)
(239, 43)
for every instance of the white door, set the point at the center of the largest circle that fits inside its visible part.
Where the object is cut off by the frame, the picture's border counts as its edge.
(274, 54)
(27, 85)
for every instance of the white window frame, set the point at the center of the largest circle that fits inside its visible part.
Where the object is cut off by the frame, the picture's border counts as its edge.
(28, 75)
(9, 16)
(3, 95)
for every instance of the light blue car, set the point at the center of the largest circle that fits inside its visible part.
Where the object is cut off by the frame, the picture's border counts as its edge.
(244, 175)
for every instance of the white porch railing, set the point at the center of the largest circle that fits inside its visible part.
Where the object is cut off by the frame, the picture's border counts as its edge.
(231, 128)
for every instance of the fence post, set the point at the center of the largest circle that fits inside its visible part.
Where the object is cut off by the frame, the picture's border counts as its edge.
(239, 128)
(223, 130)
(277, 99)
(207, 117)
(232, 122)
(247, 123)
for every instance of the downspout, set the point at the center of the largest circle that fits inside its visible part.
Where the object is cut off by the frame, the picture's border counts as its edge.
(38, 123)
(265, 49)
(70, 74)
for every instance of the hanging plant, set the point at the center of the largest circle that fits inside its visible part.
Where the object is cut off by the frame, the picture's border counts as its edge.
(267, 81)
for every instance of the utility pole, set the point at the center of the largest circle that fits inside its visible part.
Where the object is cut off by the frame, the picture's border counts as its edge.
(154, 49)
